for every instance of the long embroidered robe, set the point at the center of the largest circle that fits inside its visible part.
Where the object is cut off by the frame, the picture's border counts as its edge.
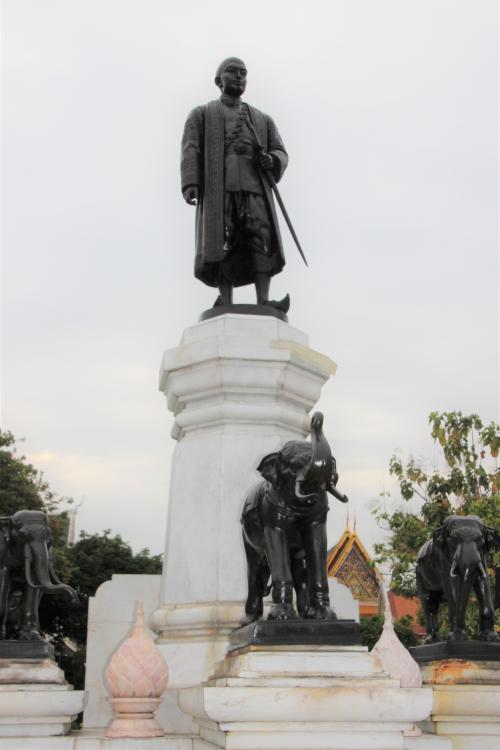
(202, 164)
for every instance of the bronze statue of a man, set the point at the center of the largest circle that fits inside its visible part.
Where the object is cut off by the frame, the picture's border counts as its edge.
(227, 148)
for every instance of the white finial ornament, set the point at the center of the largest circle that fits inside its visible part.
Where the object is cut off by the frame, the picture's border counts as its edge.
(396, 660)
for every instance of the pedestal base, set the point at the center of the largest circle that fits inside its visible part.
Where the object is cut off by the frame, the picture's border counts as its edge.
(35, 699)
(281, 698)
(296, 633)
(90, 739)
(266, 310)
(466, 704)
(15, 649)
(469, 650)
(239, 386)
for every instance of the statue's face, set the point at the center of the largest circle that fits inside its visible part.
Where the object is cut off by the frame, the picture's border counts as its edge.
(233, 79)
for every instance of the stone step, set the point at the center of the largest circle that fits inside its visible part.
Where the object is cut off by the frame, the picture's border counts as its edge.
(317, 704)
(95, 740)
(359, 682)
(428, 742)
(274, 663)
(327, 736)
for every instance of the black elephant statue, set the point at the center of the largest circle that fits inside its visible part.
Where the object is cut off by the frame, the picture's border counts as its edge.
(26, 572)
(284, 530)
(449, 566)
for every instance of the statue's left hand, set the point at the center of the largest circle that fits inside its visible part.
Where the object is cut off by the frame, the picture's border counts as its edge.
(265, 160)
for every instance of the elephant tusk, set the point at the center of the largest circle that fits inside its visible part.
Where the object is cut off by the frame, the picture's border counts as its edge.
(453, 573)
(466, 575)
(299, 493)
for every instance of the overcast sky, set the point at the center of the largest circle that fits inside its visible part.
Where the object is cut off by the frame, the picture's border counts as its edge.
(389, 111)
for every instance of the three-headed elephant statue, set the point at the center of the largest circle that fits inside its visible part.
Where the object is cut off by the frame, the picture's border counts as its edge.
(26, 572)
(449, 567)
(284, 530)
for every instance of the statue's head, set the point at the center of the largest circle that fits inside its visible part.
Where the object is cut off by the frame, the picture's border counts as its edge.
(231, 76)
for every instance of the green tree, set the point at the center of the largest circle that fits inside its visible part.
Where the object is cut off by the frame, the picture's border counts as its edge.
(371, 630)
(85, 565)
(467, 482)
(92, 561)
(21, 485)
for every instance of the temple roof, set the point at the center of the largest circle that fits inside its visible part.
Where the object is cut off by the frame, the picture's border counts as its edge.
(338, 554)
(350, 563)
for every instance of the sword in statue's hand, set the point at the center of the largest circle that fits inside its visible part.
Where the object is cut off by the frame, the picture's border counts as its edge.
(272, 182)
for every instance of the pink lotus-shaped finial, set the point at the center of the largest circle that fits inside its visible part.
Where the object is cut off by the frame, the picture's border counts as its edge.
(137, 675)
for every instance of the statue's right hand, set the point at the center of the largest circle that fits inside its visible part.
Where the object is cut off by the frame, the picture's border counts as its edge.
(191, 194)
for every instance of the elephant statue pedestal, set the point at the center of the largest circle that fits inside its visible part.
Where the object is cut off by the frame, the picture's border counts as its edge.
(296, 633)
(36, 701)
(13, 649)
(472, 651)
(324, 697)
(239, 387)
(466, 694)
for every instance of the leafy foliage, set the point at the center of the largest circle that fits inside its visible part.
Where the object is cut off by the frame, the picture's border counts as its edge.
(85, 565)
(93, 560)
(22, 487)
(468, 483)
(371, 630)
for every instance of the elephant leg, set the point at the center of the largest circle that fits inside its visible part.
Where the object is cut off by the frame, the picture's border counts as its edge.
(430, 601)
(316, 553)
(451, 591)
(300, 583)
(4, 600)
(30, 625)
(258, 575)
(486, 611)
(461, 591)
(434, 599)
(278, 558)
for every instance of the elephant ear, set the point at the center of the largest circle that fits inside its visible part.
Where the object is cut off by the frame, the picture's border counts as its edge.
(5, 528)
(438, 536)
(491, 538)
(268, 468)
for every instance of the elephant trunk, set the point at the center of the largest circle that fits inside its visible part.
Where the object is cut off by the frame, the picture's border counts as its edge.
(37, 571)
(319, 472)
(467, 561)
(462, 599)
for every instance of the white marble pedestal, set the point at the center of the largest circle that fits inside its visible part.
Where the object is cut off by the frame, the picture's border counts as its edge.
(239, 386)
(307, 698)
(466, 704)
(35, 700)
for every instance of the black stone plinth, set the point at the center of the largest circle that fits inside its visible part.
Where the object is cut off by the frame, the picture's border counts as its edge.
(470, 650)
(265, 310)
(11, 649)
(296, 633)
